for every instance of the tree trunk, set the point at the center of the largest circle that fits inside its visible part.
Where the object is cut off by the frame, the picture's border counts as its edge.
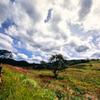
(55, 74)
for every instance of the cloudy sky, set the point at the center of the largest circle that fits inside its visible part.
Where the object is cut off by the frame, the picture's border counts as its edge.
(33, 30)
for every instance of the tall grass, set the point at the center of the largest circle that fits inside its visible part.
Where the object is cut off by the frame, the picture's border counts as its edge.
(16, 86)
(78, 82)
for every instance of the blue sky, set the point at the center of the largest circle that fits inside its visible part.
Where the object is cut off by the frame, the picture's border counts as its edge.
(33, 30)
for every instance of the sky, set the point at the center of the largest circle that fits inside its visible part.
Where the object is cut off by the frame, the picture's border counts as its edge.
(33, 30)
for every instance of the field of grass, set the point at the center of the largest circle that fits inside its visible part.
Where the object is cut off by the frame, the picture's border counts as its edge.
(78, 82)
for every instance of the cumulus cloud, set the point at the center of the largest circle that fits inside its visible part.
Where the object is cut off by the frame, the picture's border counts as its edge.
(80, 45)
(14, 56)
(36, 59)
(6, 37)
(5, 10)
(96, 55)
(6, 45)
(51, 26)
(85, 8)
(91, 21)
(81, 48)
(6, 42)
(22, 56)
(36, 40)
(29, 7)
(99, 45)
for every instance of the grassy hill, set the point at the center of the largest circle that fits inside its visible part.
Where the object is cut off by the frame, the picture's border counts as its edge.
(78, 82)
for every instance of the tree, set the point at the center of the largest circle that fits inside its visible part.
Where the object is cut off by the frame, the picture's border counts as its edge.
(0, 69)
(43, 64)
(58, 64)
(5, 54)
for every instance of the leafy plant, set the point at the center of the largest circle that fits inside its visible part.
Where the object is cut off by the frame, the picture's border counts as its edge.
(60, 94)
(22, 76)
(29, 81)
(58, 64)
(49, 81)
(91, 65)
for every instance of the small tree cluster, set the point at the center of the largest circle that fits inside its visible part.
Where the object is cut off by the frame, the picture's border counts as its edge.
(5, 54)
(43, 64)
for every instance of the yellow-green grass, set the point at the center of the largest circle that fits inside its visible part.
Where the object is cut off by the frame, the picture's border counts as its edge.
(82, 80)
(78, 82)
(17, 86)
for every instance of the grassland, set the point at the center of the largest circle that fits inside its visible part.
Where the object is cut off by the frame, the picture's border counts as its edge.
(78, 82)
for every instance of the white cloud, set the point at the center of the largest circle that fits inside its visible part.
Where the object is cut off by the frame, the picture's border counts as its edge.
(89, 52)
(14, 56)
(81, 48)
(72, 25)
(36, 59)
(19, 44)
(99, 45)
(6, 37)
(91, 21)
(85, 8)
(96, 55)
(22, 56)
(6, 42)
(98, 39)
(29, 48)
(5, 10)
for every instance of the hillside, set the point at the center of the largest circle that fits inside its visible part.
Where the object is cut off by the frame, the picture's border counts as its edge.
(78, 82)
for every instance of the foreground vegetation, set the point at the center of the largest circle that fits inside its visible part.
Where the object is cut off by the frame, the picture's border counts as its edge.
(78, 82)
(16, 86)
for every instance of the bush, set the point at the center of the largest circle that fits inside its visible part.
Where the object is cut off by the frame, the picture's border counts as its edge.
(29, 81)
(22, 76)
(60, 94)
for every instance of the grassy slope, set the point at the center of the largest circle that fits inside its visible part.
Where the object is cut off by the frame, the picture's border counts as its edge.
(78, 82)
(16, 86)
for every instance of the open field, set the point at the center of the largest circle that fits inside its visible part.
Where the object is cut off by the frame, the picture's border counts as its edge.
(78, 82)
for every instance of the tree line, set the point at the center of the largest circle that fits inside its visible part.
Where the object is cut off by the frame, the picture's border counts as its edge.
(56, 63)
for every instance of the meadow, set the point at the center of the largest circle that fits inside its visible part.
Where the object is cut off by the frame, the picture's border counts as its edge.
(77, 82)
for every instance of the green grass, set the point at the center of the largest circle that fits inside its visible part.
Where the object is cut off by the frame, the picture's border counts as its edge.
(78, 82)
(16, 86)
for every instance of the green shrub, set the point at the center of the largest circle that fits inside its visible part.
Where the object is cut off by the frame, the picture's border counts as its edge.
(49, 81)
(48, 95)
(91, 65)
(29, 81)
(22, 76)
(44, 94)
(96, 69)
(59, 94)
